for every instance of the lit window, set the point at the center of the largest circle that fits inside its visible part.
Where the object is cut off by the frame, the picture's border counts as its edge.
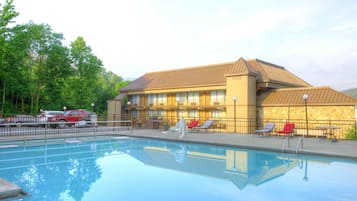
(193, 98)
(161, 99)
(161, 113)
(152, 113)
(217, 114)
(151, 99)
(193, 114)
(218, 97)
(181, 97)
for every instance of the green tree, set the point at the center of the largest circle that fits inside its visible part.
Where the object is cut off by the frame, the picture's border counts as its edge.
(81, 88)
(7, 14)
(108, 87)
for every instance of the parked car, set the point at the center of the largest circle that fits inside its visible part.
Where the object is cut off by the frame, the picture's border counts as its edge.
(43, 117)
(70, 117)
(21, 118)
(2, 122)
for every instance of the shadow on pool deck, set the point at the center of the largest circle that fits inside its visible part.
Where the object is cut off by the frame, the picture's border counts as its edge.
(311, 145)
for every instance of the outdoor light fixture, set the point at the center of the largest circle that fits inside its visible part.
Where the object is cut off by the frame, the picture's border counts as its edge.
(305, 97)
(93, 105)
(235, 116)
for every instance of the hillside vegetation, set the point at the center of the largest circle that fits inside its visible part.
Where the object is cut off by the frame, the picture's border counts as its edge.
(351, 92)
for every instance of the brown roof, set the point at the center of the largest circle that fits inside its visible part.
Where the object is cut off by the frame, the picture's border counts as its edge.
(273, 73)
(211, 75)
(316, 96)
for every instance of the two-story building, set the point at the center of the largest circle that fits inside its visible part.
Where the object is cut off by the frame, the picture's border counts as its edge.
(231, 92)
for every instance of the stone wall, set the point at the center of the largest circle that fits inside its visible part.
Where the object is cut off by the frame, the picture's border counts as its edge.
(342, 117)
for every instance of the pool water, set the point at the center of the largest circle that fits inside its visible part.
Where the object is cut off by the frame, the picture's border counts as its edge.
(141, 169)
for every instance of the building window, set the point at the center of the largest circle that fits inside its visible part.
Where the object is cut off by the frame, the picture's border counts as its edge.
(161, 99)
(193, 114)
(151, 99)
(181, 114)
(182, 98)
(218, 97)
(135, 100)
(193, 97)
(157, 99)
(152, 113)
(216, 114)
(135, 114)
(161, 113)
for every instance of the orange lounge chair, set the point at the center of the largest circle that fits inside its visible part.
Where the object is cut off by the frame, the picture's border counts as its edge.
(288, 129)
(192, 124)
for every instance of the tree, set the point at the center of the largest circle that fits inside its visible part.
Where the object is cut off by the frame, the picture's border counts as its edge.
(7, 14)
(81, 89)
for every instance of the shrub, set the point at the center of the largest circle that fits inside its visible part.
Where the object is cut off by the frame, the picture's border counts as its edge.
(352, 133)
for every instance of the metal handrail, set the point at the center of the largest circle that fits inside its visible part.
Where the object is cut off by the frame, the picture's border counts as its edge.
(299, 144)
(286, 142)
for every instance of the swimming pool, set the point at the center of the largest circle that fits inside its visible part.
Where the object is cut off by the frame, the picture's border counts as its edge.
(123, 168)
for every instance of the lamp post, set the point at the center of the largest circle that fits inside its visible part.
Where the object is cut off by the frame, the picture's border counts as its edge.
(64, 108)
(129, 105)
(178, 107)
(235, 117)
(93, 106)
(305, 97)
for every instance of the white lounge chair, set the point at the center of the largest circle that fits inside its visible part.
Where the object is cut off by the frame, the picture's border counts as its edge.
(267, 129)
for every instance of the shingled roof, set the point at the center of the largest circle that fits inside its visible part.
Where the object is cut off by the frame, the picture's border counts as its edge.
(317, 96)
(214, 75)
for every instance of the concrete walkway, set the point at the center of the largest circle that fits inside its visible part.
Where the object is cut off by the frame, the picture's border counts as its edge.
(325, 147)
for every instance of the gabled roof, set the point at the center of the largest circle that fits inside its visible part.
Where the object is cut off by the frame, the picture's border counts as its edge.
(241, 67)
(276, 74)
(316, 96)
(214, 75)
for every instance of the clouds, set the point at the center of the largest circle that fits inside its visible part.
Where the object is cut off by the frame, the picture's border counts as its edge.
(136, 36)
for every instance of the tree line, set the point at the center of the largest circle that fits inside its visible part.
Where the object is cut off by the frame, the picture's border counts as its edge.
(37, 71)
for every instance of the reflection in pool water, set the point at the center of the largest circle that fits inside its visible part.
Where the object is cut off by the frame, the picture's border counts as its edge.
(139, 169)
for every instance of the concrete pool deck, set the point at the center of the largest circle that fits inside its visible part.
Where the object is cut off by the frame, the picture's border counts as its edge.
(311, 145)
(326, 147)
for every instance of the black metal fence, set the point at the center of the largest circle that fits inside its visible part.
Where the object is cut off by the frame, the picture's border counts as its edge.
(341, 129)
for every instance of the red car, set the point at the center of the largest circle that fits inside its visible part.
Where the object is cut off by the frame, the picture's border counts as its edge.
(70, 117)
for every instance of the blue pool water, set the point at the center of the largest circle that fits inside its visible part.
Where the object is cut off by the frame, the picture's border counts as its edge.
(140, 169)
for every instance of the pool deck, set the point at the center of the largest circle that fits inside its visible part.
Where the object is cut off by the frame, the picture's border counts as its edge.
(311, 145)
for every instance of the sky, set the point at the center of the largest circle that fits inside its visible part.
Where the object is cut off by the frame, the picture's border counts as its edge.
(314, 39)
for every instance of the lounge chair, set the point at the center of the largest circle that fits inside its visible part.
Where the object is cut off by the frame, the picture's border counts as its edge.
(288, 129)
(192, 124)
(206, 125)
(176, 128)
(267, 129)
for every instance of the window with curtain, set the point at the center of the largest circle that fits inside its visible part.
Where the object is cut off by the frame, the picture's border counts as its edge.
(217, 114)
(182, 98)
(182, 114)
(218, 97)
(161, 99)
(193, 114)
(135, 99)
(152, 113)
(193, 97)
(161, 113)
(151, 99)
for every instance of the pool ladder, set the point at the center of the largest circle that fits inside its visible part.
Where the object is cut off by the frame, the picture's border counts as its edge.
(299, 144)
(285, 143)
